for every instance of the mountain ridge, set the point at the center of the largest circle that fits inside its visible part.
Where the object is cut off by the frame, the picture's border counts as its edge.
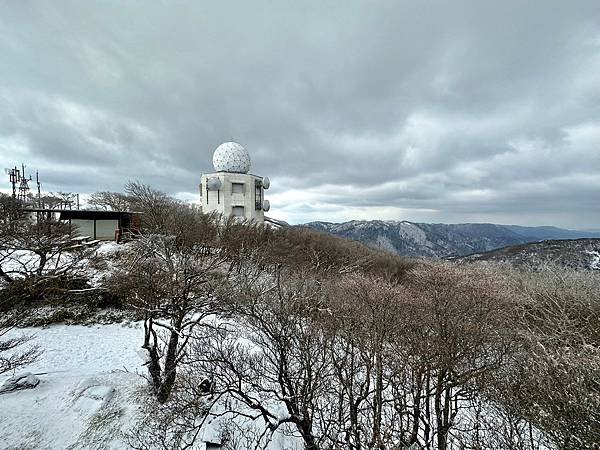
(438, 240)
(579, 254)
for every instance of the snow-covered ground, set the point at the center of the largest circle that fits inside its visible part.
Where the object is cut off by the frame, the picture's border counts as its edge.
(87, 392)
(595, 262)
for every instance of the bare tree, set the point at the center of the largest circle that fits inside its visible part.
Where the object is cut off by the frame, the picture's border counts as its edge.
(552, 382)
(459, 323)
(274, 356)
(173, 285)
(110, 201)
(341, 347)
(355, 361)
(361, 320)
(159, 211)
(36, 254)
(491, 425)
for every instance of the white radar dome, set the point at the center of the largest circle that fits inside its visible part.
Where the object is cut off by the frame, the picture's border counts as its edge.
(231, 157)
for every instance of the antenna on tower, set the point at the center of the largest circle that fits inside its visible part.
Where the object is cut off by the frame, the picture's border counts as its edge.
(13, 176)
(24, 184)
(20, 183)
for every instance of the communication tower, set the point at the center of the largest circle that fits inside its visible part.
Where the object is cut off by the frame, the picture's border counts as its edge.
(18, 178)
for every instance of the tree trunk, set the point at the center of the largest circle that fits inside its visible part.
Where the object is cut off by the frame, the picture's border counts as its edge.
(416, 413)
(42, 263)
(154, 360)
(307, 435)
(427, 428)
(5, 276)
(378, 402)
(170, 368)
(442, 432)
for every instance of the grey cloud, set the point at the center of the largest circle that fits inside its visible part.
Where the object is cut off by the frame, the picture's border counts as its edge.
(470, 109)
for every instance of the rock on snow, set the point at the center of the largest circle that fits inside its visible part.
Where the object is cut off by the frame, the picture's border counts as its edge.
(25, 380)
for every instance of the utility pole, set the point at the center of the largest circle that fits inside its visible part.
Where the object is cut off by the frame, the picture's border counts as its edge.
(39, 189)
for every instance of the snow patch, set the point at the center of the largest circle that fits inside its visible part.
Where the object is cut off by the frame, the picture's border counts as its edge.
(86, 396)
(595, 262)
(410, 232)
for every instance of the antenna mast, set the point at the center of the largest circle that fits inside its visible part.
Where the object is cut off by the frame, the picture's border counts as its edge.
(18, 177)
(39, 188)
(14, 176)
(24, 184)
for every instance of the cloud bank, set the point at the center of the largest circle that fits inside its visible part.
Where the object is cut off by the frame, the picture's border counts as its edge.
(427, 111)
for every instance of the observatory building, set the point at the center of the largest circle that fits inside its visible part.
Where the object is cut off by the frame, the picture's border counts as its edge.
(230, 189)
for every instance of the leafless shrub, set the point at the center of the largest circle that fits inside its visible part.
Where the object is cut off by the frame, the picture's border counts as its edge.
(175, 424)
(305, 249)
(172, 284)
(409, 357)
(553, 381)
(489, 425)
(36, 256)
(357, 361)
(110, 201)
(16, 352)
(360, 321)
(463, 323)
(278, 359)
(161, 214)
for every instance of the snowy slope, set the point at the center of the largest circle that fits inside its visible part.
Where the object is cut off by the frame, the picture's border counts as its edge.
(89, 394)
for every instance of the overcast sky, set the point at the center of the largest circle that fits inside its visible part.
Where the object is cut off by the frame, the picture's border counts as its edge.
(449, 111)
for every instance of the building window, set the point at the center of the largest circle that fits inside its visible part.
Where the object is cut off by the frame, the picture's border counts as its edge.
(237, 188)
(237, 211)
(258, 201)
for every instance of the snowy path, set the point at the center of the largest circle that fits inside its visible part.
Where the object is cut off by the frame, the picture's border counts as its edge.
(86, 374)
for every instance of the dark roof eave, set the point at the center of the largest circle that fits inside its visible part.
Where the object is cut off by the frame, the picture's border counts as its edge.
(100, 211)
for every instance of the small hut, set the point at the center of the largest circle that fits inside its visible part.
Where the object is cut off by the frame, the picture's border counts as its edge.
(98, 225)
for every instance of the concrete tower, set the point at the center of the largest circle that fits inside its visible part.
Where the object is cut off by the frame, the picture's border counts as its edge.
(230, 189)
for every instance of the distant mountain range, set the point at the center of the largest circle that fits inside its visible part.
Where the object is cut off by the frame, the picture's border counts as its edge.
(436, 240)
(581, 254)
